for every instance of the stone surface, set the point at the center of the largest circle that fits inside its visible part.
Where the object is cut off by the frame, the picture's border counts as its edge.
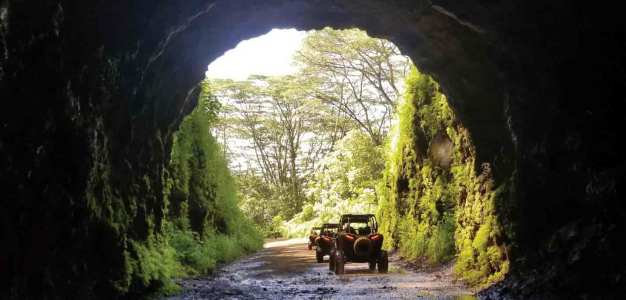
(93, 90)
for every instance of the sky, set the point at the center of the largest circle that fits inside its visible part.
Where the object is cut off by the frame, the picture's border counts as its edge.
(269, 54)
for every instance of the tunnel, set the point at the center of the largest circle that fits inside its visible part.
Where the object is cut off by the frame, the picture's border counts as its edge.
(93, 91)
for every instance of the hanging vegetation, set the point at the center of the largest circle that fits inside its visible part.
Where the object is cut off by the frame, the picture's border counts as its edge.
(434, 206)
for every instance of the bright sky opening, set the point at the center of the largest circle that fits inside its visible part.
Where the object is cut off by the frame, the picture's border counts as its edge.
(269, 54)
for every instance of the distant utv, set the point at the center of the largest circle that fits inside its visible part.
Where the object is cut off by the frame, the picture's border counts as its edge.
(315, 232)
(358, 241)
(325, 241)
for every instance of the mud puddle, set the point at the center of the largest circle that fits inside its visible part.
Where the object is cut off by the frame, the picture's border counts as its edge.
(287, 270)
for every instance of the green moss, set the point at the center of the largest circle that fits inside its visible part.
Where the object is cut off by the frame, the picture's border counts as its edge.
(441, 243)
(435, 214)
(481, 241)
(203, 225)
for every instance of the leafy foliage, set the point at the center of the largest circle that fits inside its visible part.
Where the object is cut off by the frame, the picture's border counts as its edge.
(358, 75)
(205, 225)
(345, 183)
(348, 83)
(433, 211)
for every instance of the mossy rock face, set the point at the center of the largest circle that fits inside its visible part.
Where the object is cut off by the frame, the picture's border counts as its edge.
(97, 89)
(447, 209)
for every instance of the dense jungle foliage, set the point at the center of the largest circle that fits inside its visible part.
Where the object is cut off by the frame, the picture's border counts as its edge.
(204, 225)
(307, 146)
(345, 182)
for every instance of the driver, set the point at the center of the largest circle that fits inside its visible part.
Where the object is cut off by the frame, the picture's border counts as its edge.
(347, 228)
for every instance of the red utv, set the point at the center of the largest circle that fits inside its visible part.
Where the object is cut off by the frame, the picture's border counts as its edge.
(358, 241)
(315, 232)
(325, 241)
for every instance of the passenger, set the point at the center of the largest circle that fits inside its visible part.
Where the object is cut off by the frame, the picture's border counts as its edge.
(347, 228)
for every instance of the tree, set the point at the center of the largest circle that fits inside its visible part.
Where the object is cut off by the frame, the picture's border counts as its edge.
(347, 178)
(358, 75)
(277, 121)
(345, 182)
(281, 128)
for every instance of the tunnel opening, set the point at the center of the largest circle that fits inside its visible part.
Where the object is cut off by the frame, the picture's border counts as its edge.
(329, 122)
(84, 171)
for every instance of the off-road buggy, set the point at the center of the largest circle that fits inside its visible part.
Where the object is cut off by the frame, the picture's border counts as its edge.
(358, 241)
(315, 232)
(325, 241)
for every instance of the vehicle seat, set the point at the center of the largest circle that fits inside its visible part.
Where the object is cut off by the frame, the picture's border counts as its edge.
(365, 231)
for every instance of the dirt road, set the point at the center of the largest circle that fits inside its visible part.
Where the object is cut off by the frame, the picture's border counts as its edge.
(287, 270)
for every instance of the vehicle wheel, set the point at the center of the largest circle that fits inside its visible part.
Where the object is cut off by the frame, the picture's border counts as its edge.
(383, 262)
(372, 265)
(339, 264)
(319, 256)
(331, 262)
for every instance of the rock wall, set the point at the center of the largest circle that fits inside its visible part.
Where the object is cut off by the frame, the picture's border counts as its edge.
(435, 206)
(93, 90)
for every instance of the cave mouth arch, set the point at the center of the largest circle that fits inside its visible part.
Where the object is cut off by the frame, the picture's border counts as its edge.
(126, 76)
(84, 170)
(439, 41)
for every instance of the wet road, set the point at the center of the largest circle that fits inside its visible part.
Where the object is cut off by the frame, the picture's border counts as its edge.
(287, 270)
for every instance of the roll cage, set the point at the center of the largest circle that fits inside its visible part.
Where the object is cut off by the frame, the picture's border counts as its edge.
(368, 219)
(330, 228)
